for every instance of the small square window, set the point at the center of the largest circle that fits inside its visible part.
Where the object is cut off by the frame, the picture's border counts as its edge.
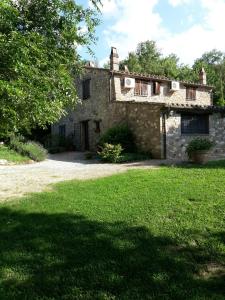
(97, 126)
(86, 88)
(191, 93)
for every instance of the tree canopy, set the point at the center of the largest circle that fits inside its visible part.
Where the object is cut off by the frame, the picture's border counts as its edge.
(148, 59)
(214, 64)
(38, 59)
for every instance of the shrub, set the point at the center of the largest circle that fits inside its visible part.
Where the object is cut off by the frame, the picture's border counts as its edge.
(16, 143)
(35, 151)
(31, 149)
(120, 134)
(198, 144)
(110, 153)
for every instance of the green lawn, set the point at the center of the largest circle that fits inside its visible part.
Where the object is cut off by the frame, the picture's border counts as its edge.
(153, 234)
(11, 155)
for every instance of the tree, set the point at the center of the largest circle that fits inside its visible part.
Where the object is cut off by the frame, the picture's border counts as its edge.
(38, 59)
(148, 59)
(145, 59)
(214, 64)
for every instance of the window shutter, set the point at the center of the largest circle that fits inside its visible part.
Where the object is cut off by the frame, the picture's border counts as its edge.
(156, 88)
(144, 89)
(137, 87)
(141, 88)
(190, 93)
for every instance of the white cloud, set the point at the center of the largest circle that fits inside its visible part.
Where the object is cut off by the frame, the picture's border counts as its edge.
(199, 38)
(137, 21)
(109, 7)
(178, 2)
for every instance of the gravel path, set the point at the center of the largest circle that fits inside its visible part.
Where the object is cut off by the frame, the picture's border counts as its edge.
(17, 180)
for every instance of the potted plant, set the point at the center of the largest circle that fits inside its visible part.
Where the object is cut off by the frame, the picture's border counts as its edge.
(198, 150)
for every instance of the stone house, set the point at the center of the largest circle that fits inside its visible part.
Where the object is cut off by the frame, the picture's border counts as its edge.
(163, 114)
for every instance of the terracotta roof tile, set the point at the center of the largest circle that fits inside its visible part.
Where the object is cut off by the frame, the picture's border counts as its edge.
(197, 106)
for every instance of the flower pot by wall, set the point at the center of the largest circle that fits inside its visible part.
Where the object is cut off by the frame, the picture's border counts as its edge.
(200, 156)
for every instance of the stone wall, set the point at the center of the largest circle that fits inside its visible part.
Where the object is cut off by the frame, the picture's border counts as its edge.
(93, 109)
(177, 142)
(144, 121)
(203, 95)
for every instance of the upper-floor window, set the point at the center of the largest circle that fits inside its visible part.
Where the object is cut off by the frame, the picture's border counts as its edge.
(156, 88)
(141, 88)
(190, 93)
(86, 88)
(194, 124)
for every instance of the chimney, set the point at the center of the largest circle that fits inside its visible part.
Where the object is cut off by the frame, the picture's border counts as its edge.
(90, 64)
(126, 69)
(114, 60)
(202, 76)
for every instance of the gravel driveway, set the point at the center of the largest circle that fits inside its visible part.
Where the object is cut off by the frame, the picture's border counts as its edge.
(17, 180)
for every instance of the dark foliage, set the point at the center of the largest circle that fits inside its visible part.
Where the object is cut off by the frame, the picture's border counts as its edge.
(120, 134)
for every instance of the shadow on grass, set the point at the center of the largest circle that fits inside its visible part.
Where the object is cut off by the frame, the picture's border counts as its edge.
(66, 256)
(214, 164)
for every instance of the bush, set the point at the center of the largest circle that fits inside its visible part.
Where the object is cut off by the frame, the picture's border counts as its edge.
(198, 144)
(120, 134)
(16, 143)
(110, 153)
(33, 150)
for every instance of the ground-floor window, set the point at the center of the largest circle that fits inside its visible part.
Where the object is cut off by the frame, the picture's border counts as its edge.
(62, 131)
(97, 126)
(194, 124)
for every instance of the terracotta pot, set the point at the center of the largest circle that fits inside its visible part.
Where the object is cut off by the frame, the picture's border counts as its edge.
(200, 156)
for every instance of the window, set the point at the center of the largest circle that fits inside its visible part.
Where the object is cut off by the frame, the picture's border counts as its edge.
(141, 88)
(86, 88)
(194, 124)
(191, 93)
(62, 131)
(156, 88)
(97, 126)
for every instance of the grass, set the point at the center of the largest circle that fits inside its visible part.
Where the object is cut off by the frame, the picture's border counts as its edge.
(153, 234)
(12, 156)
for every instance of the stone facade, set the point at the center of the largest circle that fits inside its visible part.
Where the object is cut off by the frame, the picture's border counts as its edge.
(92, 110)
(156, 127)
(176, 142)
(203, 95)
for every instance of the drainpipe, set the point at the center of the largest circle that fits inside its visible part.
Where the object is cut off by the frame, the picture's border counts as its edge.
(164, 134)
(110, 87)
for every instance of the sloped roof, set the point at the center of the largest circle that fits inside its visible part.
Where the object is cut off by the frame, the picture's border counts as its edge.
(186, 106)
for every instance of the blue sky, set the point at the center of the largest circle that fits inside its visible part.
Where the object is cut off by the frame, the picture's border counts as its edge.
(187, 28)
